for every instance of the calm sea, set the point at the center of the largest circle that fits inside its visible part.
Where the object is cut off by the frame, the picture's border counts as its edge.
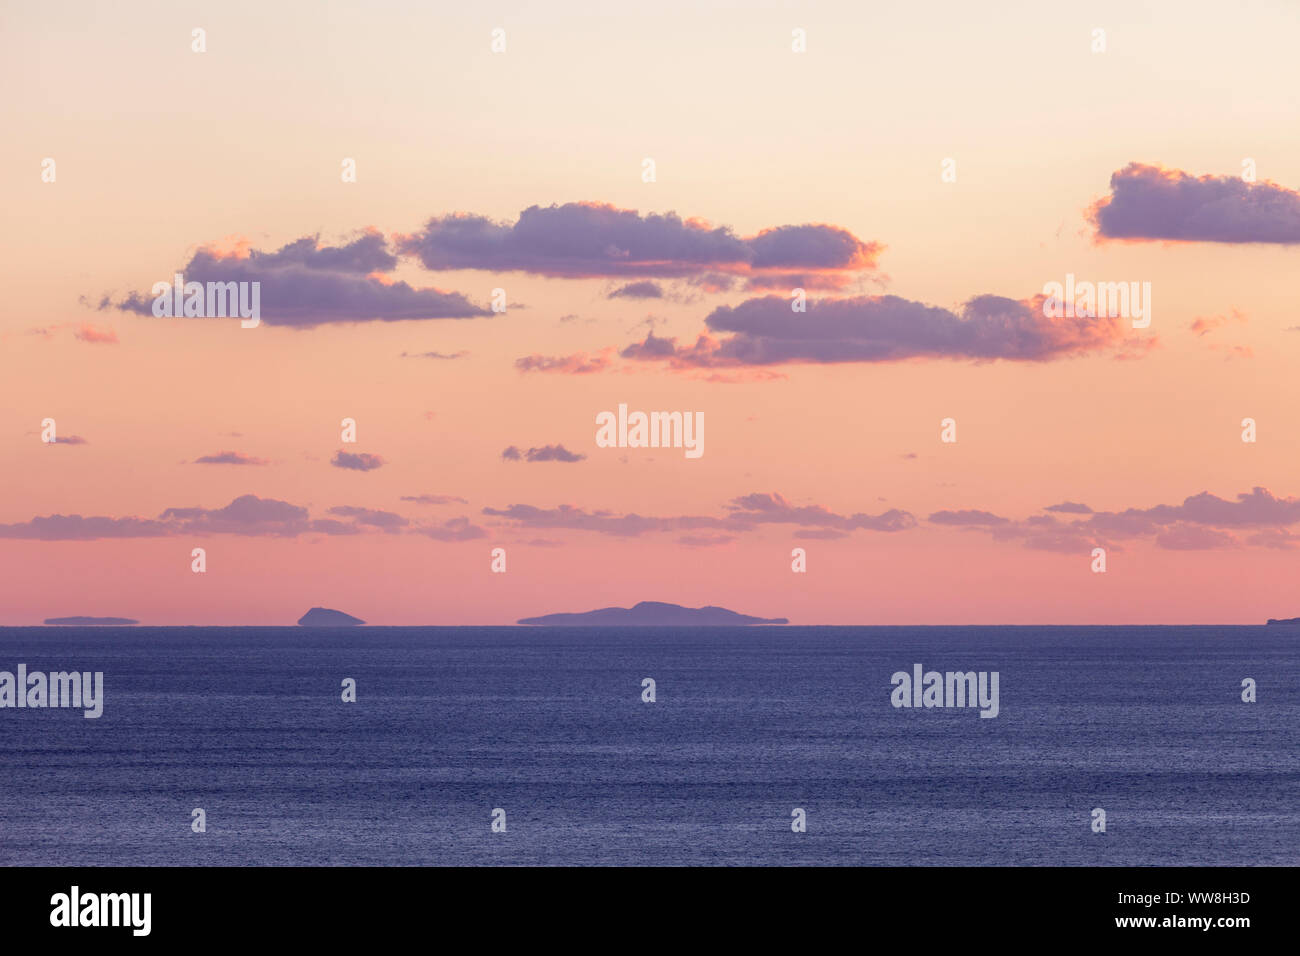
(248, 724)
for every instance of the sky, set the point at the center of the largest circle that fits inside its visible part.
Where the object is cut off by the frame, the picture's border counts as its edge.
(639, 191)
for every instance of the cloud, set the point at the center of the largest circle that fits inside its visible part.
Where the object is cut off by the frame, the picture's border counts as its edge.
(545, 453)
(1153, 203)
(77, 528)
(95, 335)
(886, 328)
(230, 458)
(967, 518)
(744, 514)
(645, 289)
(1278, 538)
(69, 440)
(83, 331)
(435, 355)
(1203, 324)
(602, 522)
(705, 541)
(246, 515)
(435, 499)
(1258, 508)
(356, 462)
(590, 240)
(332, 527)
(384, 520)
(457, 529)
(765, 508)
(362, 256)
(1186, 537)
(1202, 521)
(580, 363)
(304, 284)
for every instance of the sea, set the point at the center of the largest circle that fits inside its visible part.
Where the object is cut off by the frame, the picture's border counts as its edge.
(763, 746)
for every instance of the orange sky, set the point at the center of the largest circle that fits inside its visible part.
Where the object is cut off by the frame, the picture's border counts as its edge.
(161, 151)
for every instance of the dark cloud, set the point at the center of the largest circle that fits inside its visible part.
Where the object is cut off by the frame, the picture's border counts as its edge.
(356, 461)
(765, 331)
(644, 289)
(1153, 203)
(1070, 507)
(69, 440)
(304, 284)
(435, 499)
(230, 458)
(585, 240)
(545, 453)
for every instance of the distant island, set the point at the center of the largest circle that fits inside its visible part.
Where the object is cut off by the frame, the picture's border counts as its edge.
(90, 621)
(1285, 620)
(651, 613)
(328, 617)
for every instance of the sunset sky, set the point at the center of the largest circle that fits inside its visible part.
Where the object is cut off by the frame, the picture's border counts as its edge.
(522, 170)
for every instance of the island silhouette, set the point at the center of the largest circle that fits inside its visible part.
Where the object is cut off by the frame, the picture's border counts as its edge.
(328, 617)
(90, 621)
(650, 614)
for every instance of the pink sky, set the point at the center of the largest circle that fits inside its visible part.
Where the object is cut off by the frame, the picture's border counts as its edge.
(774, 170)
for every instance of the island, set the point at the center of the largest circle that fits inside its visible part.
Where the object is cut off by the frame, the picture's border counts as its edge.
(328, 617)
(652, 614)
(90, 621)
(1285, 620)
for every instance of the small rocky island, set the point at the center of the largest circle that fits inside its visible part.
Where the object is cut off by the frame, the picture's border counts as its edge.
(90, 621)
(653, 614)
(1294, 621)
(328, 617)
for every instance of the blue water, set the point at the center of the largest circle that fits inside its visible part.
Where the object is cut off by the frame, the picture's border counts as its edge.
(548, 724)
